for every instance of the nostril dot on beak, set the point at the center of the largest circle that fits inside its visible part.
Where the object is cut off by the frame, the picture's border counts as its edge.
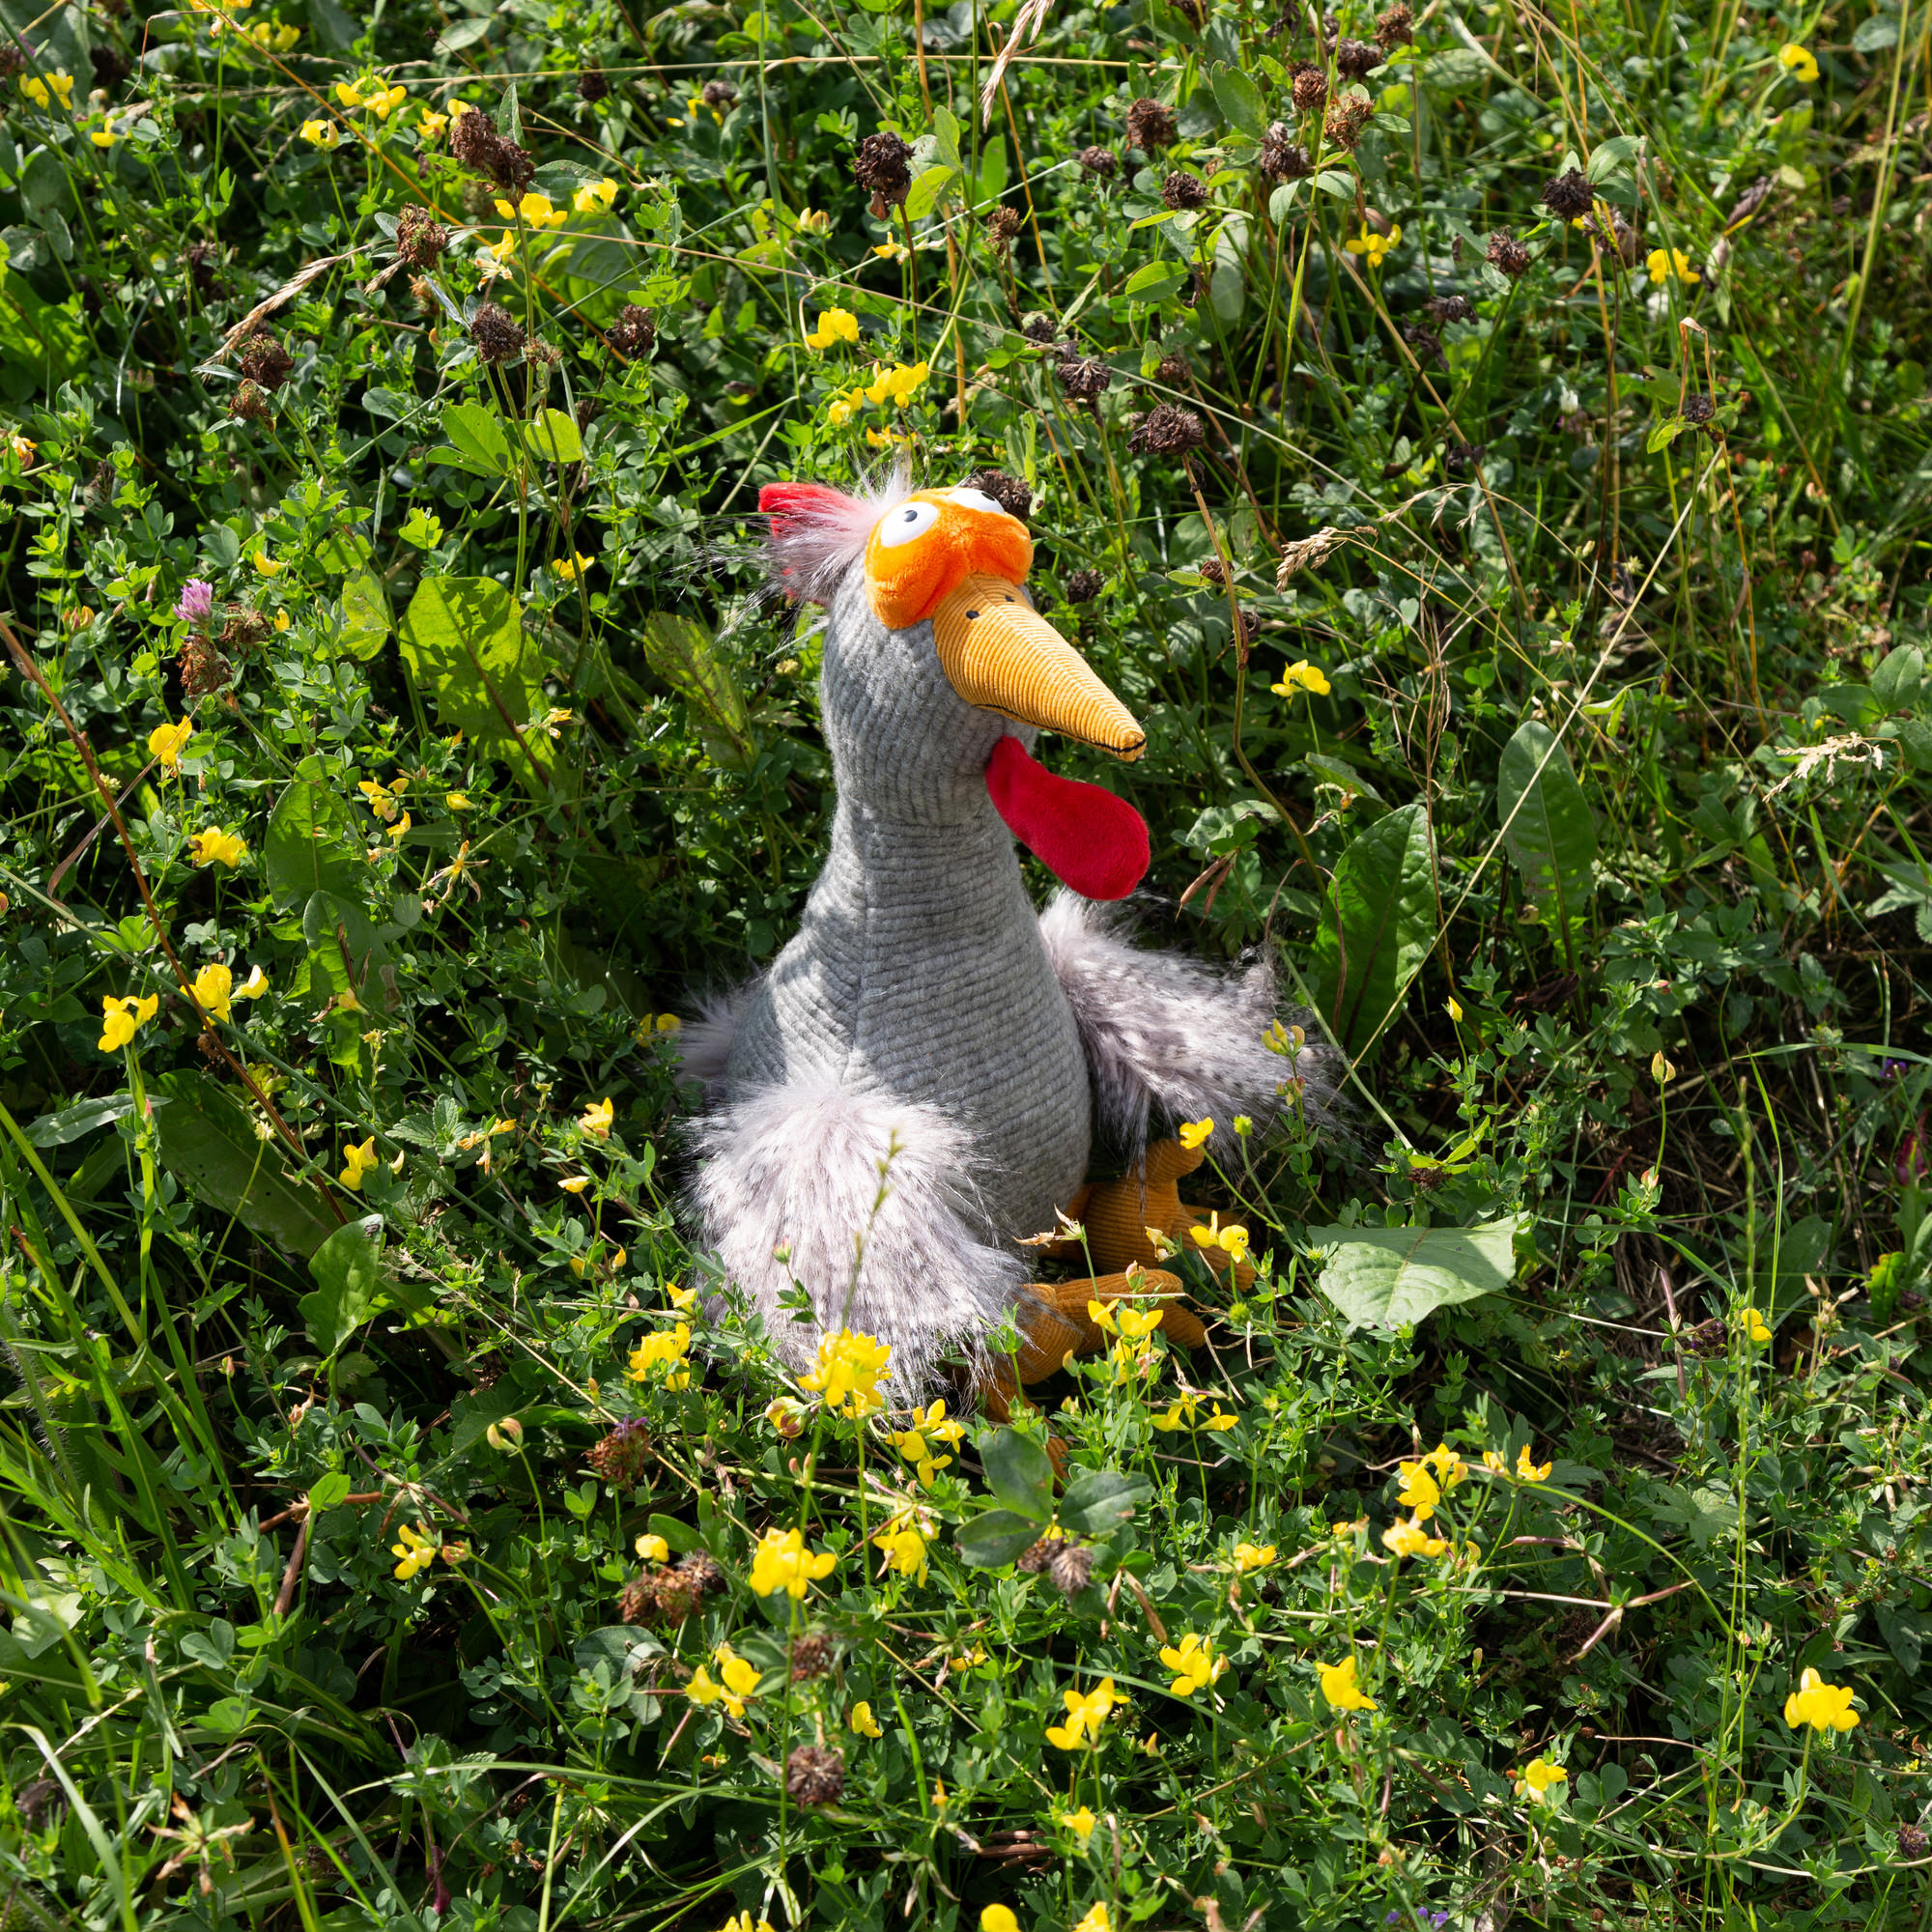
(972, 614)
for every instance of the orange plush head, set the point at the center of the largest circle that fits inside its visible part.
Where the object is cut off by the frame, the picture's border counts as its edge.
(929, 543)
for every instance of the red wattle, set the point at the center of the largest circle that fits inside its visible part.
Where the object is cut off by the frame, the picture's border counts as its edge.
(1082, 834)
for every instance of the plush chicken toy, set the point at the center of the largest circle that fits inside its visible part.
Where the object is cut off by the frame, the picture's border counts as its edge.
(913, 1089)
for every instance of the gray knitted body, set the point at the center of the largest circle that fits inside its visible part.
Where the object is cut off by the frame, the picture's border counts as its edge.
(912, 1087)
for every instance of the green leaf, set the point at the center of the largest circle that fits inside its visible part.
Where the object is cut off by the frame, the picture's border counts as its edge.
(1378, 924)
(1386, 1277)
(209, 1143)
(945, 135)
(462, 639)
(994, 1539)
(477, 436)
(1339, 182)
(1019, 1472)
(347, 1271)
(1241, 101)
(1895, 682)
(47, 344)
(312, 845)
(926, 191)
(1874, 36)
(686, 656)
(351, 955)
(70, 1123)
(326, 1493)
(1612, 158)
(1100, 1500)
(553, 437)
(1548, 824)
(1664, 434)
(366, 617)
(1155, 281)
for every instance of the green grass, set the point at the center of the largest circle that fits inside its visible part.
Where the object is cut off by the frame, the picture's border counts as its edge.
(1594, 834)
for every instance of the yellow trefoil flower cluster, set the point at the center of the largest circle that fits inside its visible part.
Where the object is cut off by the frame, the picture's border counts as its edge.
(1085, 1714)
(1536, 1776)
(1250, 1557)
(912, 1443)
(212, 846)
(597, 1118)
(1233, 1239)
(785, 1561)
(1800, 63)
(1406, 1537)
(123, 1016)
(536, 209)
(1181, 1413)
(322, 133)
(215, 989)
(1525, 1470)
(1754, 1325)
(1301, 677)
(595, 197)
(1660, 264)
(1821, 1705)
(740, 1681)
(662, 1357)
(896, 385)
(1338, 1686)
(40, 91)
(846, 1377)
(1194, 1663)
(1372, 247)
(380, 101)
(904, 1542)
(167, 741)
(1425, 1483)
(835, 325)
(419, 1549)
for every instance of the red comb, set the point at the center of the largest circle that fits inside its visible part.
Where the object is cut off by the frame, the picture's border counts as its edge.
(783, 503)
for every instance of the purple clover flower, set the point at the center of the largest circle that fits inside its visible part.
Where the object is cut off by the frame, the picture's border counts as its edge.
(197, 600)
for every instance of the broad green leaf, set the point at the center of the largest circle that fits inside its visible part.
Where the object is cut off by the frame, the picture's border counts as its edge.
(1339, 182)
(1874, 36)
(996, 1538)
(1895, 682)
(326, 1493)
(347, 1271)
(1018, 1471)
(1612, 158)
(209, 1144)
(1241, 101)
(685, 655)
(366, 616)
(1664, 434)
(312, 845)
(478, 434)
(926, 191)
(945, 135)
(462, 639)
(1388, 1277)
(353, 956)
(1548, 824)
(553, 437)
(1101, 1499)
(1378, 924)
(1155, 281)
(44, 343)
(72, 1124)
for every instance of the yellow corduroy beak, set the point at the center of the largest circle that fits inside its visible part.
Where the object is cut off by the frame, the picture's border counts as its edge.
(998, 652)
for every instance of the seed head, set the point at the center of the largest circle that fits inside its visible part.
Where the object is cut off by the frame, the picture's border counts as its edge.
(719, 93)
(244, 629)
(1001, 225)
(1347, 117)
(811, 1657)
(1100, 162)
(1150, 126)
(1310, 88)
(1426, 343)
(1008, 491)
(203, 668)
(1182, 191)
(203, 258)
(1395, 27)
(1281, 159)
(880, 166)
(420, 237)
(1069, 1566)
(1165, 430)
(1032, 1559)
(634, 331)
(637, 1602)
(592, 85)
(1213, 571)
(1569, 196)
(816, 1776)
(1461, 458)
(497, 334)
(1698, 409)
(1445, 309)
(1357, 59)
(1912, 1842)
(1039, 329)
(265, 362)
(475, 141)
(1082, 587)
(705, 1575)
(1507, 255)
(622, 1457)
(1084, 378)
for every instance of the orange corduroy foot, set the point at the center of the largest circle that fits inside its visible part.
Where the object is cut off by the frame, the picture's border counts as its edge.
(1117, 1216)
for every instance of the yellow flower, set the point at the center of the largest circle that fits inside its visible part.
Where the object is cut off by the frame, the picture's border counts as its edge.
(594, 196)
(890, 251)
(905, 1550)
(103, 137)
(1195, 1133)
(1300, 675)
(35, 90)
(835, 325)
(666, 1348)
(1252, 1556)
(215, 846)
(214, 986)
(1800, 63)
(356, 1162)
(596, 1118)
(679, 1299)
(1406, 1537)
(742, 1921)
(430, 124)
(1179, 1413)
(568, 570)
(653, 1549)
(1528, 1471)
(348, 93)
(1085, 1714)
(1096, 1920)
(1221, 1421)
(1662, 264)
(1821, 1705)
(322, 133)
(1232, 1240)
(1372, 247)
(267, 565)
(1455, 1007)
(861, 1722)
(166, 742)
(783, 1561)
(417, 1549)
(843, 409)
(1339, 1687)
(846, 1377)
(814, 220)
(1082, 1822)
(385, 101)
(575, 1183)
(1420, 1492)
(1538, 1776)
(22, 446)
(254, 985)
(917, 1451)
(897, 384)
(1753, 1326)
(536, 209)
(122, 1017)
(1193, 1663)
(399, 830)
(1450, 1468)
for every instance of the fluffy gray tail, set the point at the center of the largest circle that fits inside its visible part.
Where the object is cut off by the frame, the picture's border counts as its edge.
(1171, 1038)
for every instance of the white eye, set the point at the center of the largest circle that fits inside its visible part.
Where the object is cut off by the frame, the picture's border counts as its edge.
(908, 521)
(975, 499)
